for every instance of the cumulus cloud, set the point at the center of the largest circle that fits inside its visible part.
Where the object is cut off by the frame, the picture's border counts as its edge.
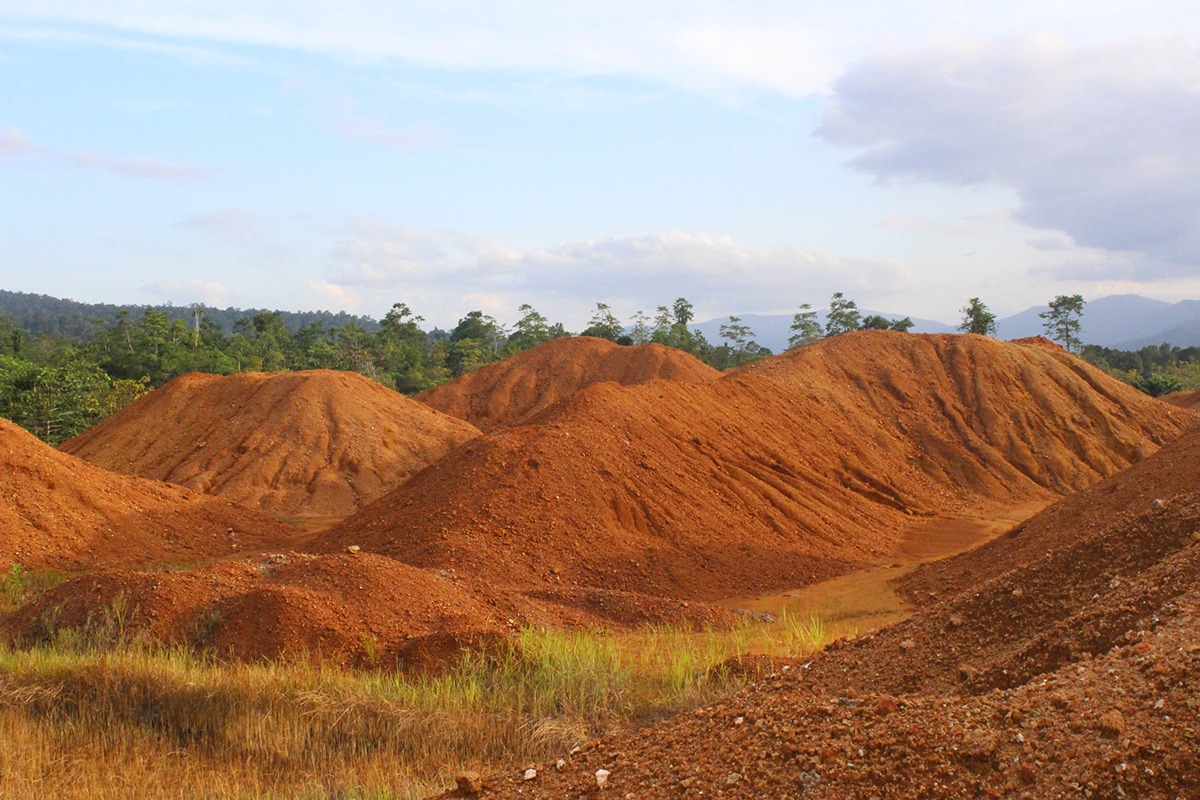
(190, 290)
(145, 168)
(1098, 142)
(638, 271)
(13, 141)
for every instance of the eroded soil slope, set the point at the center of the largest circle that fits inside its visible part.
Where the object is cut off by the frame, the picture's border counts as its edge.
(60, 512)
(295, 444)
(1068, 667)
(1183, 399)
(515, 390)
(781, 474)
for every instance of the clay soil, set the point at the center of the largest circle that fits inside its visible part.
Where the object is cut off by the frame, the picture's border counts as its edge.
(1059, 660)
(790, 471)
(514, 391)
(350, 609)
(1183, 399)
(310, 445)
(59, 512)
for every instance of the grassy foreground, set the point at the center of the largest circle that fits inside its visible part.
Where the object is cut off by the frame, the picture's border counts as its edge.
(94, 716)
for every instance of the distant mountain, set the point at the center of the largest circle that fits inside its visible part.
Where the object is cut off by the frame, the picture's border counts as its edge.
(1121, 321)
(774, 330)
(41, 314)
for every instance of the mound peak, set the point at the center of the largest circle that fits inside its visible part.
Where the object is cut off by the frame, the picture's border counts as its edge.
(293, 444)
(515, 390)
(63, 513)
(779, 474)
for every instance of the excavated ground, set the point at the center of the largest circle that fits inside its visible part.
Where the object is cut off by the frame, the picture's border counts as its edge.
(310, 445)
(62, 513)
(1183, 399)
(514, 391)
(1059, 660)
(790, 471)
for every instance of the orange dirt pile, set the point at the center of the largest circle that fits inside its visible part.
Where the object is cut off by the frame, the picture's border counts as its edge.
(515, 390)
(348, 609)
(1068, 664)
(783, 473)
(299, 444)
(63, 513)
(1183, 399)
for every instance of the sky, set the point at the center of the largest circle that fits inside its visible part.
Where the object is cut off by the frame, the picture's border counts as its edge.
(453, 156)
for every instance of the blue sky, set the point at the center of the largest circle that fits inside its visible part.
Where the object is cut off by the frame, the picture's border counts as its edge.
(454, 156)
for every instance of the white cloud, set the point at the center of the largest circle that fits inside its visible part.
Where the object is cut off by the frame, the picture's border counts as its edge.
(332, 296)
(13, 141)
(1098, 142)
(189, 290)
(145, 168)
(791, 46)
(715, 273)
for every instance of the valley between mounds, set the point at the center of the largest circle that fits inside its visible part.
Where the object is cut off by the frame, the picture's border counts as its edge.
(926, 483)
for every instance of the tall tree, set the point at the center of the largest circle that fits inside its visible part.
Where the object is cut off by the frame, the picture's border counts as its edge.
(805, 328)
(1063, 320)
(737, 334)
(531, 330)
(977, 318)
(604, 325)
(843, 316)
(641, 331)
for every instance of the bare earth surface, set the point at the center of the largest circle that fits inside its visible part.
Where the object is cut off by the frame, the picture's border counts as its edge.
(1183, 399)
(59, 512)
(1060, 660)
(311, 445)
(514, 391)
(791, 471)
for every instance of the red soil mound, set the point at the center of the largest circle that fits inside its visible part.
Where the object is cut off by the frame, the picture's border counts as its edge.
(299, 444)
(1070, 663)
(1183, 399)
(1040, 341)
(360, 609)
(64, 513)
(515, 390)
(779, 474)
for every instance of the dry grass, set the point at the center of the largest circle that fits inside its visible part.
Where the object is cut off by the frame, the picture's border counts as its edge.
(95, 715)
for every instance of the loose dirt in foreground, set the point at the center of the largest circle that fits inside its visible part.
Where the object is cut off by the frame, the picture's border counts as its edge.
(62, 513)
(791, 471)
(1067, 665)
(514, 391)
(310, 445)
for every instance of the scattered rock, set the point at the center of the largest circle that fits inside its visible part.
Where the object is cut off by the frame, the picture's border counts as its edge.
(530, 774)
(602, 778)
(469, 782)
(907, 644)
(352, 549)
(1112, 724)
(887, 705)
